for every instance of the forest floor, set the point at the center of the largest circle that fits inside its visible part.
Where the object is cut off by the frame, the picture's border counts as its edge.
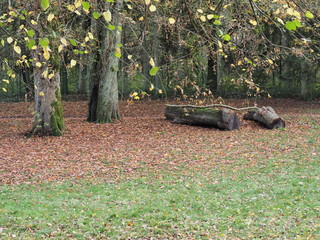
(144, 177)
(143, 142)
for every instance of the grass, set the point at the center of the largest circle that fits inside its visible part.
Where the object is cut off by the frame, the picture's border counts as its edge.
(249, 194)
(277, 200)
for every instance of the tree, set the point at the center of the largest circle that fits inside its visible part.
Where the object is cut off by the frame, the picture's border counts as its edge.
(103, 105)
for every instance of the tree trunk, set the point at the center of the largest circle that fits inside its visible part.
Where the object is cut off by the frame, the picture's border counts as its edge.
(305, 80)
(104, 107)
(220, 90)
(48, 116)
(267, 116)
(222, 119)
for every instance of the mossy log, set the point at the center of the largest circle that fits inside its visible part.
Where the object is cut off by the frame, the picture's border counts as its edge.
(267, 116)
(219, 118)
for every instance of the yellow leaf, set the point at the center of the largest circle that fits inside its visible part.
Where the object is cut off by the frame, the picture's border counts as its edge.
(5, 90)
(90, 35)
(38, 64)
(9, 40)
(71, 8)
(136, 98)
(107, 16)
(41, 94)
(151, 87)
(239, 63)
(129, 6)
(34, 22)
(280, 21)
(141, 18)
(64, 41)
(51, 75)
(86, 39)
(270, 61)
(17, 49)
(147, 2)
(134, 94)
(160, 91)
(210, 16)
(60, 48)
(46, 53)
(73, 63)
(50, 17)
(77, 3)
(203, 18)
(152, 8)
(200, 11)
(6, 81)
(152, 63)
(172, 20)
(129, 57)
(253, 22)
(219, 44)
(45, 73)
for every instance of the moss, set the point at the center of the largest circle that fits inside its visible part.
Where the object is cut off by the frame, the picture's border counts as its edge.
(56, 120)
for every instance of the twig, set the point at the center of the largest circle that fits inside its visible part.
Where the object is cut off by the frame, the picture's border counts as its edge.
(213, 105)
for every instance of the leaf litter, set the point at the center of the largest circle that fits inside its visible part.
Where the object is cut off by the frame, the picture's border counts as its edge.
(144, 143)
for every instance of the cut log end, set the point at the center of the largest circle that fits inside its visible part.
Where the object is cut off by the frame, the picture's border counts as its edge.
(267, 116)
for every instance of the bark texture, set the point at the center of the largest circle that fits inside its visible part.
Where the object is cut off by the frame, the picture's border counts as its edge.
(48, 116)
(222, 119)
(267, 116)
(103, 106)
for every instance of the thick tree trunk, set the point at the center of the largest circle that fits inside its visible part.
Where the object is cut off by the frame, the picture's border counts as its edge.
(104, 107)
(222, 119)
(267, 116)
(48, 116)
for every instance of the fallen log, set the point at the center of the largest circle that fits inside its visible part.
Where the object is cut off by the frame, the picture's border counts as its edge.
(222, 119)
(267, 116)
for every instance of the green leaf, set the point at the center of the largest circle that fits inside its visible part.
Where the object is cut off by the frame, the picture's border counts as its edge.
(297, 23)
(73, 42)
(31, 43)
(96, 15)
(226, 37)
(110, 0)
(86, 6)
(117, 54)
(31, 33)
(153, 71)
(309, 14)
(44, 42)
(111, 27)
(120, 45)
(45, 4)
(217, 22)
(291, 26)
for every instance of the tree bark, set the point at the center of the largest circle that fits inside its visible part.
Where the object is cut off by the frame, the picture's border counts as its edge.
(103, 106)
(267, 116)
(222, 119)
(48, 116)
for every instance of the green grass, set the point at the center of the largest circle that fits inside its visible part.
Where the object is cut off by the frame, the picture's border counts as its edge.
(277, 200)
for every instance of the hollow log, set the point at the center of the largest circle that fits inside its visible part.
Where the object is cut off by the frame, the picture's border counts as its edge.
(219, 118)
(267, 116)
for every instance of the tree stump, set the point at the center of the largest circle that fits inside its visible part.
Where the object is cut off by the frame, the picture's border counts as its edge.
(222, 119)
(267, 116)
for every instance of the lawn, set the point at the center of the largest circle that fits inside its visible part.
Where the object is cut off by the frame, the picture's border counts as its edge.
(145, 178)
